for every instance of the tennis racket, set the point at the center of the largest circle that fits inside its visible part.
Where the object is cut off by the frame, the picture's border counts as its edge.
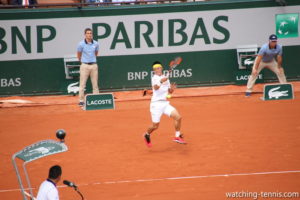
(174, 63)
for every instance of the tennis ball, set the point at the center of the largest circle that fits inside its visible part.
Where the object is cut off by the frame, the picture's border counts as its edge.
(169, 96)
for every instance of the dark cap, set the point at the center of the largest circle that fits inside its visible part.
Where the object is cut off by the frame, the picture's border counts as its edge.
(273, 37)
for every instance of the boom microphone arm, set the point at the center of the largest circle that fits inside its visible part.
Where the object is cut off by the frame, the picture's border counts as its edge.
(70, 184)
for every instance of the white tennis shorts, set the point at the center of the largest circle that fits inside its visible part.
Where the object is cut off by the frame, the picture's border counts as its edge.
(158, 108)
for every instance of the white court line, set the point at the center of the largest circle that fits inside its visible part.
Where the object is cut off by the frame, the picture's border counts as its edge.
(174, 178)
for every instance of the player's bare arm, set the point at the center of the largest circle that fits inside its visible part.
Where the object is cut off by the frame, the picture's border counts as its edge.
(172, 88)
(156, 87)
(164, 79)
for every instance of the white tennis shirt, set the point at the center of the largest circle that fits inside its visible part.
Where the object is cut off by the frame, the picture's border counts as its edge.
(47, 191)
(162, 92)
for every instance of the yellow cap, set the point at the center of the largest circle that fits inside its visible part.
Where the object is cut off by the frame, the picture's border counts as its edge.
(157, 66)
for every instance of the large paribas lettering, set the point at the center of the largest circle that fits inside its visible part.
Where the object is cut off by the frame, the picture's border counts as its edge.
(152, 33)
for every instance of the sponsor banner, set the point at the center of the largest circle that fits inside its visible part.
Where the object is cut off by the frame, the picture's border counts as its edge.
(242, 76)
(99, 101)
(41, 149)
(287, 25)
(38, 55)
(278, 91)
(193, 31)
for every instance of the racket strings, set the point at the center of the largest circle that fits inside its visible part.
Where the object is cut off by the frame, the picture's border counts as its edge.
(175, 62)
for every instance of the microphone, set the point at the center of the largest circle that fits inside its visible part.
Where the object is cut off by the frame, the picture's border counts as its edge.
(70, 184)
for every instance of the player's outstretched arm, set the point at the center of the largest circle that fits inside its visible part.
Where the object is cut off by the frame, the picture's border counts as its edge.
(172, 88)
(156, 87)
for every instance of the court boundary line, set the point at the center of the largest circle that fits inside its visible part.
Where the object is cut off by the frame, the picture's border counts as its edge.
(171, 178)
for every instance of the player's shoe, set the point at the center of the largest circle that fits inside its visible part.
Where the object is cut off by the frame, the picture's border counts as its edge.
(248, 94)
(81, 103)
(147, 140)
(179, 140)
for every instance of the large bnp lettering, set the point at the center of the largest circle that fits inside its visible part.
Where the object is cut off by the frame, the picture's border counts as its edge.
(3, 45)
(22, 38)
(41, 37)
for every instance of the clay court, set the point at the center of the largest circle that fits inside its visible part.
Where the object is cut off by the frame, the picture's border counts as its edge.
(235, 144)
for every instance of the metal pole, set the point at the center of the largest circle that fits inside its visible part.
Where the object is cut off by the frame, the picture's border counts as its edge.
(28, 181)
(19, 177)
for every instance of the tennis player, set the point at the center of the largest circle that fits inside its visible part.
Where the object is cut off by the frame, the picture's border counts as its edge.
(160, 105)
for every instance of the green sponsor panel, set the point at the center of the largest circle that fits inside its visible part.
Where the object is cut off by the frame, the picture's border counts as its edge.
(31, 77)
(287, 25)
(99, 101)
(41, 149)
(48, 76)
(242, 76)
(197, 68)
(278, 92)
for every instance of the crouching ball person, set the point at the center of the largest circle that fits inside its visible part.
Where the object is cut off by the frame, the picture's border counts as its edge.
(270, 56)
(159, 105)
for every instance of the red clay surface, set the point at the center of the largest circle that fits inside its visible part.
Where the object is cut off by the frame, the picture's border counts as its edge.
(226, 132)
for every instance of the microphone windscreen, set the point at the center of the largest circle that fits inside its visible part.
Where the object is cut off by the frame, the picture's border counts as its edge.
(68, 183)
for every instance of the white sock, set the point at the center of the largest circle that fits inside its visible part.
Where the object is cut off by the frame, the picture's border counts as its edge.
(177, 133)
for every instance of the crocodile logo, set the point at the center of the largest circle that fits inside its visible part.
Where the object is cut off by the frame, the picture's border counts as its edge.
(248, 61)
(40, 150)
(73, 88)
(275, 93)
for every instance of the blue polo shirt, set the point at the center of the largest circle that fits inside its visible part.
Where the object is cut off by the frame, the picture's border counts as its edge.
(88, 51)
(268, 54)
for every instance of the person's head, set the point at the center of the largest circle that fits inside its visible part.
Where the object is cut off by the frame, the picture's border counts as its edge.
(55, 173)
(272, 40)
(157, 68)
(88, 33)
